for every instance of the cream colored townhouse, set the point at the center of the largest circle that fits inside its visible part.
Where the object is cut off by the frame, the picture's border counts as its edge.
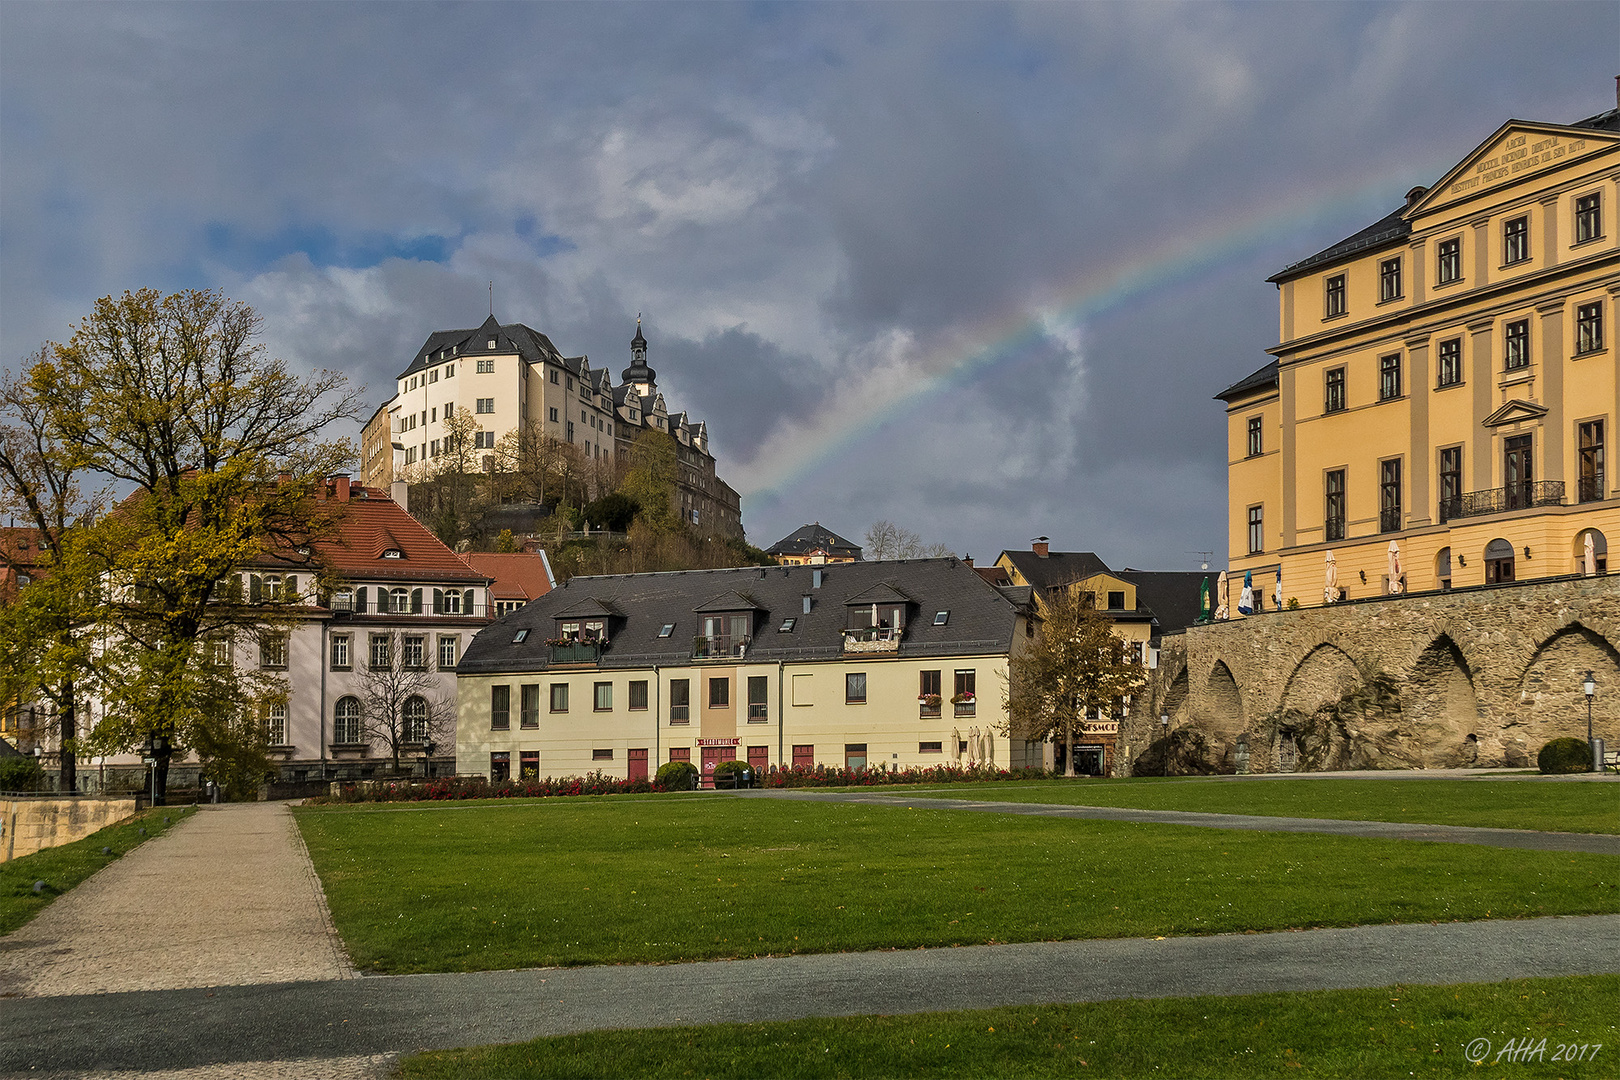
(857, 664)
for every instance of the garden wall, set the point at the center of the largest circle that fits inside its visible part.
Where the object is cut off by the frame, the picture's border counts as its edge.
(30, 824)
(1480, 677)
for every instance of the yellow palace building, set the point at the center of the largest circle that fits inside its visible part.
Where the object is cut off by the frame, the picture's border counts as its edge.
(1445, 379)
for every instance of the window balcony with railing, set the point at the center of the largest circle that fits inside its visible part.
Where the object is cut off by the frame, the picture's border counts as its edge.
(720, 647)
(1503, 499)
(872, 639)
(576, 652)
(1389, 519)
(1589, 489)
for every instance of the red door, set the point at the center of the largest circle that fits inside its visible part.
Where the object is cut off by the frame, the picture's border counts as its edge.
(638, 764)
(759, 759)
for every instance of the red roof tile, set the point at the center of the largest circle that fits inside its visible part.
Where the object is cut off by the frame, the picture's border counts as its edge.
(519, 576)
(373, 524)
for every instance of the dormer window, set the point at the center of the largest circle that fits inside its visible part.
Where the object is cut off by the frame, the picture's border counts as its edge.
(393, 553)
(492, 343)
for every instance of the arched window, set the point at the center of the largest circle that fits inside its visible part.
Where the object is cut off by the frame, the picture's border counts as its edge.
(399, 600)
(1498, 561)
(1600, 552)
(1442, 567)
(346, 721)
(416, 715)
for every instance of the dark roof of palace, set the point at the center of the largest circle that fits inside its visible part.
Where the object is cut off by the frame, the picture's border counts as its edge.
(1057, 568)
(1171, 596)
(1266, 376)
(1394, 226)
(814, 537)
(981, 619)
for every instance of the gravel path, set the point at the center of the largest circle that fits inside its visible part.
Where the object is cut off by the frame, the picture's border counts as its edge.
(226, 898)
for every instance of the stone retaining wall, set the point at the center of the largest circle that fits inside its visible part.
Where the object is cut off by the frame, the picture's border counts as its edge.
(1435, 680)
(29, 825)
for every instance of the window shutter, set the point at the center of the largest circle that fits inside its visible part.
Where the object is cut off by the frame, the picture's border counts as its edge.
(467, 603)
(416, 601)
(291, 588)
(438, 601)
(360, 600)
(256, 588)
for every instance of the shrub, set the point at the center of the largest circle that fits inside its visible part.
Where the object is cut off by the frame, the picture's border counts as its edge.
(1565, 756)
(676, 776)
(21, 774)
(732, 769)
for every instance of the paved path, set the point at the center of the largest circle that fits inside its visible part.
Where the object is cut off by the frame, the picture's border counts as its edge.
(337, 1026)
(228, 897)
(1524, 839)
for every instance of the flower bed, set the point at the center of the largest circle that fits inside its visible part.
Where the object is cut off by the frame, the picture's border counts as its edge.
(837, 776)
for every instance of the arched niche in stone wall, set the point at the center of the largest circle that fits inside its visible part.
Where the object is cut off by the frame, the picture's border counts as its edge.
(1441, 709)
(1551, 701)
(1220, 714)
(1600, 552)
(1337, 719)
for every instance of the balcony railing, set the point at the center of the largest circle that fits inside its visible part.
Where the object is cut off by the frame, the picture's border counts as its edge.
(1589, 489)
(349, 605)
(719, 648)
(577, 652)
(1389, 520)
(1501, 500)
(872, 639)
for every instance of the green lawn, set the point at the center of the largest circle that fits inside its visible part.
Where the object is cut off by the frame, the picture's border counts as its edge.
(1401, 1031)
(612, 880)
(61, 868)
(1590, 807)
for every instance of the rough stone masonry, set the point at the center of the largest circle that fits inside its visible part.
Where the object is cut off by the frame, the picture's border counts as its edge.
(1482, 677)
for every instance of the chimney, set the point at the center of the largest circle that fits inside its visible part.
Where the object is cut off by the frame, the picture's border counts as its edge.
(968, 559)
(1039, 546)
(340, 487)
(400, 492)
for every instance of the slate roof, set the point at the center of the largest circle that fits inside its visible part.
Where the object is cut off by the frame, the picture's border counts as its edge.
(1057, 568)
(982, 617)
(808, 538)
(1170, 596)
(1266, 376)
(527, 342)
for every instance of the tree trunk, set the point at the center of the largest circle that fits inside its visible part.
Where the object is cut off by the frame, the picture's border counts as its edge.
(160, 768)
(70, 774)
(1068, 746)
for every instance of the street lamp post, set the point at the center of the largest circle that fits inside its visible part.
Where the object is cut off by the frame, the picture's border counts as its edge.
(1590, 687)
(427, 759)
(1164, 731)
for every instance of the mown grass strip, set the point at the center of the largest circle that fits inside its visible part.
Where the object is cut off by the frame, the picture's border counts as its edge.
(1589, 807)
(61, 868)
(605, 881)
(1402, 1031)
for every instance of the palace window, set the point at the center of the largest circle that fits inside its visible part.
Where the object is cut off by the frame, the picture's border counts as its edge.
(559, 697)
(1516, 345)
(346, 721)
(1389, 495)
(529, 703)
(448, 646)
(411, 653)
(1515, 240)
(1450, 482)
(720, 692)
(966, 697)
(602, 699)
(1589, 328)
(416, 720)
(485, 405)
(680, 701)
(1448, 261)
(1254, 435)
(552, 415)
(486, 367)
(928, 693)
(1450, 362)
(1333, 512)
(1589, 466)
(1257, 531)
(273, 651)
(380, 649)
(340, 652)
(274, 719)
(1333, 390)
(758, 688)
(855, 688)
(1334, 297)
(1389, 377)
(638, 695)
(1588, 217)
(1389, 279)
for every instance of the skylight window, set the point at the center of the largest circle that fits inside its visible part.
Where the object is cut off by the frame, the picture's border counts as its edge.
(941, 618)
(518, 637)
(669, 628)
(787, 626)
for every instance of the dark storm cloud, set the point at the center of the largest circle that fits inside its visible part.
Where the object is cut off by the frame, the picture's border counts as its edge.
(822, 209)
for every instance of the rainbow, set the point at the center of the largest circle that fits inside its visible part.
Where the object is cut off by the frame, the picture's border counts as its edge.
(1002, 340)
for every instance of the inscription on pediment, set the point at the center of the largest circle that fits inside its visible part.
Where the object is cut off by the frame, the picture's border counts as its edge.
(1515, 154)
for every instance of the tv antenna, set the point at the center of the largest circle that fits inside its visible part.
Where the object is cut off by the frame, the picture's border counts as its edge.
(1206, 556)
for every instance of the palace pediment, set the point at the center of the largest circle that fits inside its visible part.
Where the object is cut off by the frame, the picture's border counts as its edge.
(1518, 148)
(1514, 411)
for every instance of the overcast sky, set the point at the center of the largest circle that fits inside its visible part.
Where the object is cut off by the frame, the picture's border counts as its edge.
(974, 268)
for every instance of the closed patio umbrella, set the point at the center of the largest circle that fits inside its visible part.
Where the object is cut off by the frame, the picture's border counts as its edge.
(1203, 600)
(956, 744)
(1590, 560)
(1330, 582)
(1277, 592)
(1395, 584)
(1246, 597)
(1223, 594)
